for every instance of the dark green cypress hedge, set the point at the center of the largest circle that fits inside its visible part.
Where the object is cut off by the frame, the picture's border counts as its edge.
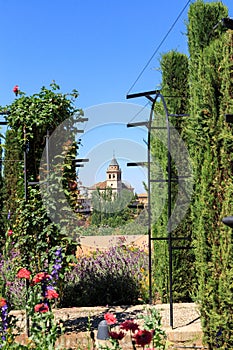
(174, 67)
(209, 140)
(210, 143)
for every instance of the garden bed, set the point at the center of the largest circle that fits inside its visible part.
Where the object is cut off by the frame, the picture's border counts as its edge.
(78, 321)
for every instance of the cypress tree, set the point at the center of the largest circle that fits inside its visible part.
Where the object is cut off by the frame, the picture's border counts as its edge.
(210, 140)
(174, 67)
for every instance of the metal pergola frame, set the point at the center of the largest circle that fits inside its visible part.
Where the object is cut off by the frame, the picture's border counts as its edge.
(169, 180)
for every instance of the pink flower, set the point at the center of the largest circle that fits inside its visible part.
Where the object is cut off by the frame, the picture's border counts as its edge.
(110, 318)
(129, 325)
(116, 336)
(51, 294)
(143, 337)
(41, 276)
(24, 273)
(41, 308)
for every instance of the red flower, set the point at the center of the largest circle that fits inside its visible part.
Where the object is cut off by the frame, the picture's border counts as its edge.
(16, 89)
(51, 294)
(129, 325)
(73, 185)
(117, 336)
(2, 301)
(110, 318)
(41, 276)
(41, 308)
(24, 273)
(10, 232)
(143, 337)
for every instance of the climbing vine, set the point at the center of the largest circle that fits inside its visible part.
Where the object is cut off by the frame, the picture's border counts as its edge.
(35, 236)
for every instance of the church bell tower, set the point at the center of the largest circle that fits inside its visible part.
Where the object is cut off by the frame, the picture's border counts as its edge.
(114, 176)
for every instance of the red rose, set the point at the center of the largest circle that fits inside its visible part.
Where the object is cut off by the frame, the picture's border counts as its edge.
(16, 89)
(110, 318)
(51, 294)
(24, 273)
(41, 308)
(10, 232)
(2, 302)
(129, 325)
(143, 337)
(41, 276)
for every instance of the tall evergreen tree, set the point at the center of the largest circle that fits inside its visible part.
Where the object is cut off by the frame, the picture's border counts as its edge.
(174, 68)
(209, 140)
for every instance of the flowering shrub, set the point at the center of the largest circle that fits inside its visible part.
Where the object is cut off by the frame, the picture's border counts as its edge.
(41, 294)
(152, 321)
(3, 306)
(150, 334)
(7, 324)
(13, 289)
(112, 277)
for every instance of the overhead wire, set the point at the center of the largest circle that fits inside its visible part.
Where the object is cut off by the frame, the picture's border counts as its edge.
(142, 109)
(158, 47)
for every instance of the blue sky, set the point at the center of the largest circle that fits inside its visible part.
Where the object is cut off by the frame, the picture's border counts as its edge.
(97, 47)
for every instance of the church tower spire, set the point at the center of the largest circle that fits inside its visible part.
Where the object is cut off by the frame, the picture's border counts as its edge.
(114, 175)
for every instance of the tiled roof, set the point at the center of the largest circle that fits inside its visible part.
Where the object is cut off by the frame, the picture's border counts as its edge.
(101, 185)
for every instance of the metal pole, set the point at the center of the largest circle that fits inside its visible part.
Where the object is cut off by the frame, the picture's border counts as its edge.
(169, 237)
(169, 229)
(47, 153)
(26, 199)
(149, 197)
(25, 164)
(169, 226)
(149, 215)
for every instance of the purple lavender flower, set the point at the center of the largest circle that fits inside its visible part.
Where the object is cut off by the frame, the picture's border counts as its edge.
(4, 315)
(57, 265)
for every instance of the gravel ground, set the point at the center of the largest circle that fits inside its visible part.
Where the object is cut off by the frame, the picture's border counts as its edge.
(76, 318)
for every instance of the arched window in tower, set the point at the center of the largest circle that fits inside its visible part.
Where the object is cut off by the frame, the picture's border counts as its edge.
(113, 176)
(109, 176)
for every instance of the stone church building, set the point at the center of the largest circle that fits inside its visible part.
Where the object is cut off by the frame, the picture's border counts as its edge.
(113, 180)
